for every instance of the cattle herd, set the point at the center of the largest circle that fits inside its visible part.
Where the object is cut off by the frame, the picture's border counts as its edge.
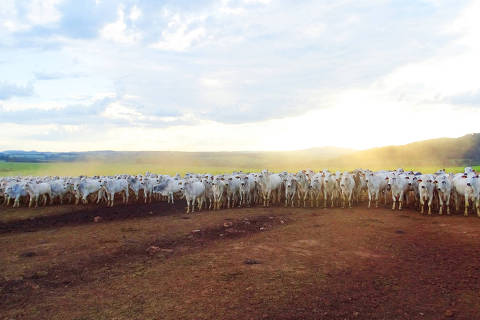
(431, 192)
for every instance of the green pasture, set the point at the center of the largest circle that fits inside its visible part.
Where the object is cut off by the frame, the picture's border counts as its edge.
(112, 168)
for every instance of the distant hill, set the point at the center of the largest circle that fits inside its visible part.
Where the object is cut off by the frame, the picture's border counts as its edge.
(243, 159)
(442, 152)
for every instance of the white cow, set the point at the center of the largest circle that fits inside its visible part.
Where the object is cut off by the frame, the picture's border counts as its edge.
(36, 190)
(168, 188)
(247, 190)
(135, 184)
(315, 189)
(347, 185)
(330, 190)
(218, 188)
(271, 186)
(86, 187)
(194, 191)
(59, 190)
(232, 185)
(376, 184)
(462, 187)
(207, 182)
(114, 186)
(443, 183)
(425, 188)
(148, 184)
(290, 190)
(398, 184)
(15, 191)
(303, 184)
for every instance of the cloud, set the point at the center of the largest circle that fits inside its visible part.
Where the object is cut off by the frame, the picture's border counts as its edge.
(55, 75)
(181, 33)
(54, 113)
(118, 31)
(43, 12)
(9, 90)
(233, 64)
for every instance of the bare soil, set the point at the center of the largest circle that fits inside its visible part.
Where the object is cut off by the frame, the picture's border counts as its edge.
(155, 262)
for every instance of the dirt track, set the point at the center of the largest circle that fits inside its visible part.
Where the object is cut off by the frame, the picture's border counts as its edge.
(154, 262)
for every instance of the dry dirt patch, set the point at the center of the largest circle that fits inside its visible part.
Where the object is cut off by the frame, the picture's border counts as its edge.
(317, 264)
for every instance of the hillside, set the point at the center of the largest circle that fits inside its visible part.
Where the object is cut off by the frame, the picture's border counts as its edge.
(443, 152)
(174, 159)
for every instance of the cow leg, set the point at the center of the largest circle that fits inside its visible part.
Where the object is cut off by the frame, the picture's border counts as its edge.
(440, 200)
(477, 206)
(194, 199)
(16, 203)
(448, 204)
(455, 198)
(467, 202)
(200, 203)
(112, 199)
(400, 199)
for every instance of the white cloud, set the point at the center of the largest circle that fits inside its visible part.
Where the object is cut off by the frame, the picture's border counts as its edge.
(135, 13)
(267, 65)
(257, 1)
(42, 12)
(118, 32)
(117, 111)
(453, 71)
(211, 82)
(180, 35)
(313, 30)
(21, 105)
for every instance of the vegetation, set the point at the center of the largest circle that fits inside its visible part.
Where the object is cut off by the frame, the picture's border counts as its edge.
(425, 156)
(112, 168)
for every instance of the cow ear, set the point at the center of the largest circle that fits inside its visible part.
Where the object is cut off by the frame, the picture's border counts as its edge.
(464, 177)
(222, 178)
(419, 180)
(407, 178)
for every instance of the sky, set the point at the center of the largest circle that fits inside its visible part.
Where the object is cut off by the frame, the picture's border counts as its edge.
(234, 75)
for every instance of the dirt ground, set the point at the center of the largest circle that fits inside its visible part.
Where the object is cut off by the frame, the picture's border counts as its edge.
(154, 262)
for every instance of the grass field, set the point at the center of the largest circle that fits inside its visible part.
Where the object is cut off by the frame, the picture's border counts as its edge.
(104, 168)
